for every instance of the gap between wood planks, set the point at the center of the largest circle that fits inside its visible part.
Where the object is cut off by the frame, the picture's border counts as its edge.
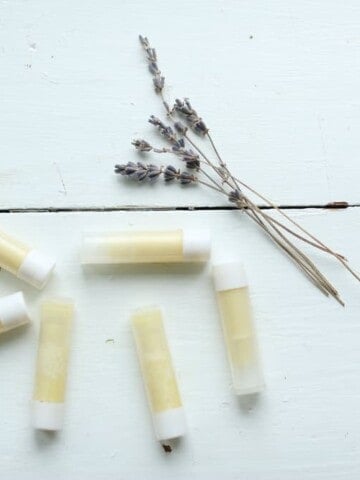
(129, 208)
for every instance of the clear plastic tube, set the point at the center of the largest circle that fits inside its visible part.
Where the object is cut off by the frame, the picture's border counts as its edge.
(52, 364)
(240, 337)
(25, 262)
(158, 374)
(156, 246)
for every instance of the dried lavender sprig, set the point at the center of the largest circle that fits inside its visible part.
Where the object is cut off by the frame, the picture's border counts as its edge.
(187, 155)
(158, 79)
(262, 219)
(142, 145)
(192, 160)
(141, 171)
(167, 132)
(178, 143)
(184, 108)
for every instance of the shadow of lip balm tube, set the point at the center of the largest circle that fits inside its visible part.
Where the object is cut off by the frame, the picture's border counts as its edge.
(153, 246)
(158, 374)
(52, 363)
(236, 314)
(25, 262)
(13, 312)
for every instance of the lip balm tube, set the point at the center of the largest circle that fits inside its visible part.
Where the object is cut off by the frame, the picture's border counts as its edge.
(157, 246)
(235, 310)
(52, 364)
(25, 262)
(158, 374)
(13, 312)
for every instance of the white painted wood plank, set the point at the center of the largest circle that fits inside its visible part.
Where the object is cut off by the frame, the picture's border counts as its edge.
(276, 81)
(305, 426)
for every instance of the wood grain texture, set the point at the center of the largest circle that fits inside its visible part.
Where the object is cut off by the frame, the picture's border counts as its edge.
(306, 424)
(276, 81)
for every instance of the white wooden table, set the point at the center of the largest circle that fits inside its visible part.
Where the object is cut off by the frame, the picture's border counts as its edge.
(278, 82)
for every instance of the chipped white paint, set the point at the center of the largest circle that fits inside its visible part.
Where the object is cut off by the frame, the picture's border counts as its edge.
(277, 82)
(304, 426)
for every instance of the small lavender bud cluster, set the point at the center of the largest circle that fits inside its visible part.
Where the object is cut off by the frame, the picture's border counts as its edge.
(172, 173)
(178, 144)
(167, 132)
(142, 145)
(180, 128)
(140, 171)
(188, 156)
(196, 123)
(235, 196)
(158, 79)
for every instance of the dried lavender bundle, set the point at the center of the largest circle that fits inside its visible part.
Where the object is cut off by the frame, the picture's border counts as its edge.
(214, 174)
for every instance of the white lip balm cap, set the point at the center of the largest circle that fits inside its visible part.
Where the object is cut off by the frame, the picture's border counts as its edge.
(36, 268)
(48, 415)
(169, 424)
(13, 311)
(248, 380)
(196, 245)
(229, 276)
(91, 249)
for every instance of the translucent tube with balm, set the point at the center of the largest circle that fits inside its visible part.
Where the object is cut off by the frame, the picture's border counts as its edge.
(13, 312)
(158, 374)
(52, 363)
(236, 314)
(154, 246)
(25, 262)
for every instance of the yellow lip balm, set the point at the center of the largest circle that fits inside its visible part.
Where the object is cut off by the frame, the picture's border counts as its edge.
(25, 262)
(235, 310)
(13, 312)
(52, 364)
(157, 246)
(158, 374)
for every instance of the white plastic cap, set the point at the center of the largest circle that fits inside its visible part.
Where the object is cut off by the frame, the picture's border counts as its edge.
(48, 415)
(229, 275)
(196, 245)
(248, 379)
(169, 424)
(91, 251)
(13, 311)
(36, 268)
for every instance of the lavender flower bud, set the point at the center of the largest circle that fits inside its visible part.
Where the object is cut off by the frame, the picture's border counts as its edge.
(142, 145)
(192, 164)
(235, 196)
(195, 122)
(153, 172)
(130, 168)
(120, 169)
(159, 83)
(180, 128)
(153, 68)
(170, 173)
(186, 178)
(144, 41)
(141, 175)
